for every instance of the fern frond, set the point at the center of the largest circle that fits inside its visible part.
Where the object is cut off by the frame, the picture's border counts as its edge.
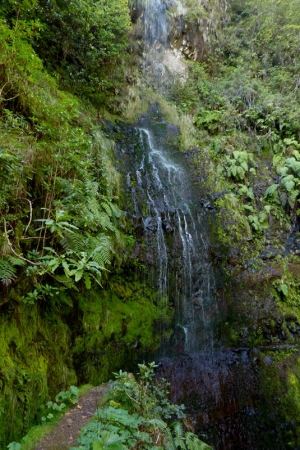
(100, 249)
(105, 222)
(16, 261)
(101, 257)
(75, 242)
(93, 206)
(7, 272)
(194, 443)
(107, 208)
(179, 436)
(91, 188)
(163, 426)
(117, 212)
(271, 190)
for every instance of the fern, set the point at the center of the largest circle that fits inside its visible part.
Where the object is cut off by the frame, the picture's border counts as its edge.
(115, 210)
(107, 208)
(179, 436)
(7, 272)
(294, 165)
(101, 253)
(97, 248)
(93, 206)
(271, 190)
(194, 443)
(74, 241)
(105, 222)
(91, 188)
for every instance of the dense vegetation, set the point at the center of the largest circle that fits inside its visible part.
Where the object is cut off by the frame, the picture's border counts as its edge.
(62, 231)
(59, 214)
(64, 241)
(244, 101)
(137, 414)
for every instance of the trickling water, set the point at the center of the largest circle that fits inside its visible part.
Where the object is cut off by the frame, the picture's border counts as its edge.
(159, 62)
(155, 22)
(173, 234)
(219, 387)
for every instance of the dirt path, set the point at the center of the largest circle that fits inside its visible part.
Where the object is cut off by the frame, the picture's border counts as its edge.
(64, 435)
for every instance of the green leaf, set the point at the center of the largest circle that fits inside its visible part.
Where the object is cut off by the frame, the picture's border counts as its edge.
(284, 171)
(289, 184)
(284, 289)
(78, 275)
(267, 208)
(270, 191)
(14, 446)
(277, 159)
(66, 267)
(233, 171)
(294, 194)
(98, 445)
(87, 280)
(244, 165)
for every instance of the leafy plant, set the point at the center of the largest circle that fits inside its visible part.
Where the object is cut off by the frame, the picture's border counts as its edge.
(69, 396)
(14, 446)
(287, 191)
(81, 40)
(133, 417)
(61, 400)
(259, 222)
(237, 165)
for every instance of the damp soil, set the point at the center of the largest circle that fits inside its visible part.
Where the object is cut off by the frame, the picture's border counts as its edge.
(65, 434)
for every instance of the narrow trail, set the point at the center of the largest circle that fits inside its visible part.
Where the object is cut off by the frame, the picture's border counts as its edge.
(64, 435)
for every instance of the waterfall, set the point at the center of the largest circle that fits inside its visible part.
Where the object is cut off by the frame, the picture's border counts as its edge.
(160, 63)
(155, 23)
(219, 387)
(162, 196)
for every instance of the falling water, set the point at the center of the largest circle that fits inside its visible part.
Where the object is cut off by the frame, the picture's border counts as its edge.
(220, 387)
(155, 23)
(162, 196)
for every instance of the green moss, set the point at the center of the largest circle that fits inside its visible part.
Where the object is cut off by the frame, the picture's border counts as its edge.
(41, 349)
(280, 385)
(34, 360)
(120, 324)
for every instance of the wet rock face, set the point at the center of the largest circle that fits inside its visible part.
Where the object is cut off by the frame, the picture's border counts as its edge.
(186, 26)
(192, 31)
(220, 393)
(223, 398)
(165, 213)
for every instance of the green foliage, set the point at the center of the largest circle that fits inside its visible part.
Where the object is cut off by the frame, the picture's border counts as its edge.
(195, 10)
(287, 191)
(244, 100)
(69, 396)
(60, 224)
(81, 40)
(145, 396)
(64, 199)
(287, 290)
(14, 446)
(237, 165)
(137, 414)
(61, 400)
(208, 119)
(259, 223)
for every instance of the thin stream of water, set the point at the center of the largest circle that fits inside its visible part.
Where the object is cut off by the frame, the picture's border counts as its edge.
(176, 246)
